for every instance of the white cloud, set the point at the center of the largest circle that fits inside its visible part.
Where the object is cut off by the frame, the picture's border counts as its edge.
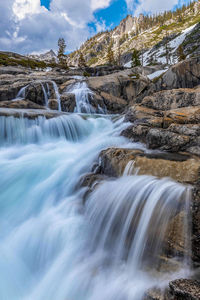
(26, 26)
(97, 4)
(150, 6)
(22, 8)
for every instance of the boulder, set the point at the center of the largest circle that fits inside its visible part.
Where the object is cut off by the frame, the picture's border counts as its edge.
(11, 89)
(68, 102)
(108, 103)
(182, 168)
(166, 140)
(172, 130)
(53, 104)
(172, 99)
(185, 74)
(20, 104)
(186, 289)
(122, 84)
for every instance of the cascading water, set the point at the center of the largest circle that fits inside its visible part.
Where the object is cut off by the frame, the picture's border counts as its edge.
(46, 98)
(52, 245)
(82, 96)
(57, 94)
(46, 93)
(21, 94)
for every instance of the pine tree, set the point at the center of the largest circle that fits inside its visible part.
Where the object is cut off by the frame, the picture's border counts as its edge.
(110, 55)
(81, 61)
(61, 51)
(119, 55)
(136, 59)
(180, 53)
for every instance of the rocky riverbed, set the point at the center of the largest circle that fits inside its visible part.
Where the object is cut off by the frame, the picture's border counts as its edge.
(163, 115)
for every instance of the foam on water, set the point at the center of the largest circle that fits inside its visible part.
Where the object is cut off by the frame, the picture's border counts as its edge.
(54, 247)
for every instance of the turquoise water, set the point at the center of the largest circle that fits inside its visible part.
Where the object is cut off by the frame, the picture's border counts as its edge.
(46, 233)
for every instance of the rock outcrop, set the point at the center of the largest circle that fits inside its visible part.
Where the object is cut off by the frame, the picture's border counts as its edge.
(185, 74)
(185, 289)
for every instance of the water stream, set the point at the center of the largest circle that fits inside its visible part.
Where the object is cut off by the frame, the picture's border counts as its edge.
(46, 93)
(55, 247)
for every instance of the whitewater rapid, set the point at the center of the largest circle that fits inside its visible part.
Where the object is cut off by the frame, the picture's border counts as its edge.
(54, 247)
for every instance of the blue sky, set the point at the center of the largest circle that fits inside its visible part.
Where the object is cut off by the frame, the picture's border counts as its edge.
(115, 12)
(34, 26)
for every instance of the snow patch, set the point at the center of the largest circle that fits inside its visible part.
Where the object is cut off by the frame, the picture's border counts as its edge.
(156, 74)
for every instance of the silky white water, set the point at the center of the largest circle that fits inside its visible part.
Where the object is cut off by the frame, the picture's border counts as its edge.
(46, 93)
(83, 95)
(54, 247)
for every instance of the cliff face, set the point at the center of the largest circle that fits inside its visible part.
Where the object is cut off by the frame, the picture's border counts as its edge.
(141, 33)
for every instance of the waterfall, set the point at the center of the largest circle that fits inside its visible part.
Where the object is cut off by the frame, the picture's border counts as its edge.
(132, 218)
(57, 94)
(82, 93)
(55, 247)
(82, 96)
(22, 93)
(46, 98)
(40, 130)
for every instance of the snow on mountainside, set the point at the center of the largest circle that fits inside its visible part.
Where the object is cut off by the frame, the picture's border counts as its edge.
(146, 34)
(158, 53)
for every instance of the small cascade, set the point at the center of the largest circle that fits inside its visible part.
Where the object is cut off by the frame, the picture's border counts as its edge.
(21, 94)
(57, 94)
(24, 130)
(41, 130)
(83, 95)
(130, 220)
(129, 169)
(46, 97)
(46, 92)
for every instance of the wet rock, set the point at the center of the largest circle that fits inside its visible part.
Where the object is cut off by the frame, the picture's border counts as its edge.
(108, 102)
(182, 168)
(173, 130)
(90, 182)
(68, 102)
(176, 235)
(122, 84)
(30, 113)
(13, 70)
(10, 91)
(20, 104)
(186, 289)
(185, 115)
(53, 104)
(166, 140)
(171, 99)
(34, 92)
(196, 225)
(157, 294)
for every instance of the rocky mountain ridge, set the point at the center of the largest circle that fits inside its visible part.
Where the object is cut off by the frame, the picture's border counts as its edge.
(49, 56)
(141, 33)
